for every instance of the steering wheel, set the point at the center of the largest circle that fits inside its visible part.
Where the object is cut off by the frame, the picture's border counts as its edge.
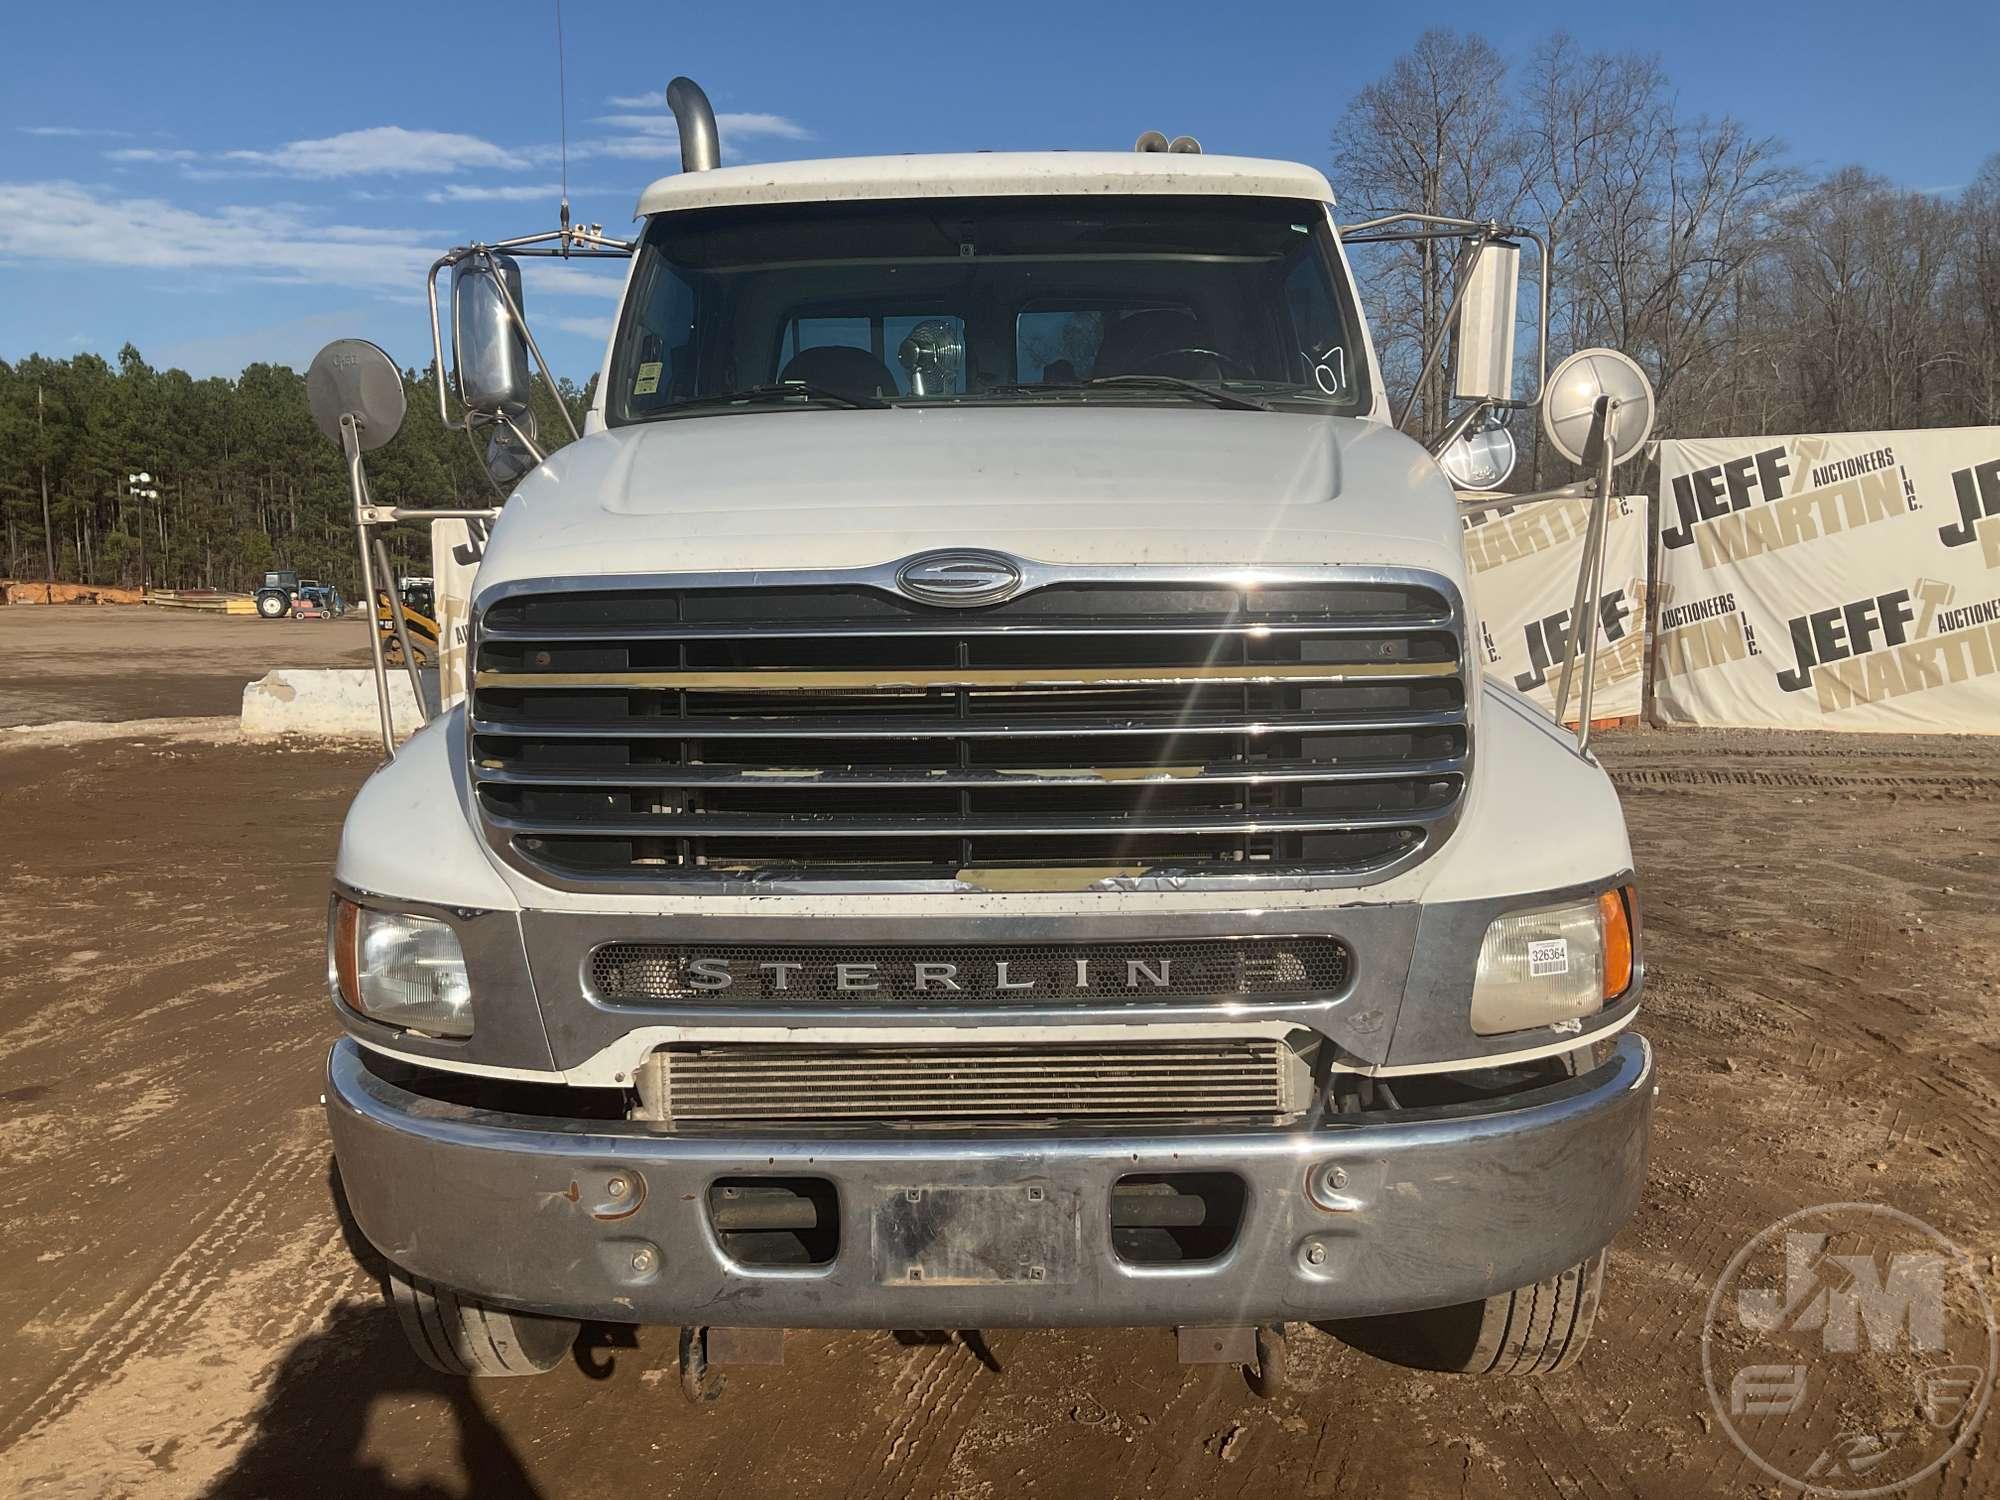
(1228, 363)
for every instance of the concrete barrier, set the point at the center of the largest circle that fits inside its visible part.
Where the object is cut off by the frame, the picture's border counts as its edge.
(335, 703)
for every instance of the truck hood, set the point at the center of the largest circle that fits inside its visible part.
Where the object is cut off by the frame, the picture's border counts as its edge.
(1097, 485)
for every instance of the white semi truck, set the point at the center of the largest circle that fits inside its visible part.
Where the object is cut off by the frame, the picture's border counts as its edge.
(975, 805)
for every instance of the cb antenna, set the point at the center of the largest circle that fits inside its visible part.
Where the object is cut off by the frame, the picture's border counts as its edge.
(562, 125)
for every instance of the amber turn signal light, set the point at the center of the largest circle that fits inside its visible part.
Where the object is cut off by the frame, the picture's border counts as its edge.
(1614, 909)
(346, 960)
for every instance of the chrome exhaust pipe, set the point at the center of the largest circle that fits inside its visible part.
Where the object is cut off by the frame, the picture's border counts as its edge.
(701, 147)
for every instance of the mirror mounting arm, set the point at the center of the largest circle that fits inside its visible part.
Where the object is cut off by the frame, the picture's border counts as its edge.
(357, 479)
(1409, 227)
(1583, 624)
(573, 241)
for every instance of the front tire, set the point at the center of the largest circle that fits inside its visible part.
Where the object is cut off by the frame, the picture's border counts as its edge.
(1539, 1329)
(457, 1335)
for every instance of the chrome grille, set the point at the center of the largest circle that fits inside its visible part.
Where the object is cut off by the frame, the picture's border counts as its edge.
(753, 1083)
(961, 974)
(839, 731)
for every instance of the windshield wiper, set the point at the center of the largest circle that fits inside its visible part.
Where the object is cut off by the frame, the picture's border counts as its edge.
(1214, 394)
(781, 390)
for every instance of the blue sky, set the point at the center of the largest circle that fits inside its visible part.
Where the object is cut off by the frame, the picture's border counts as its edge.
(227, 182)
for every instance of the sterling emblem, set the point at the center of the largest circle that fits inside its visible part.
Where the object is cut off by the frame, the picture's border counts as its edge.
(962, 579)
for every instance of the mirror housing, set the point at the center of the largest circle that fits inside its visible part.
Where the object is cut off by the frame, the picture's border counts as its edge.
(489, 352)
(1569, 405)
(1482, 459)
(354, 378)
(1483, 366)
(507, 456)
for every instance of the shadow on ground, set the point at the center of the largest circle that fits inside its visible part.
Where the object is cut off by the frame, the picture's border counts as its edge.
(309, 1434)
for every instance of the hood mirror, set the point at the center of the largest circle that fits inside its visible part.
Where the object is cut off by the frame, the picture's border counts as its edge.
(352, 377)
(1482, 459)
(512, 447)
(488, 349)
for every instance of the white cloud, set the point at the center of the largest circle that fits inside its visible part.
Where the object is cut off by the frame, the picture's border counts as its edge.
(647, 130)
(149, 153)
(546, 275)
(465, 192)
(68, 222)
(590, 328)
(69, 130)
(283, 243)
(386, 149)
(755, 126)
(635, 147)
(743, 126)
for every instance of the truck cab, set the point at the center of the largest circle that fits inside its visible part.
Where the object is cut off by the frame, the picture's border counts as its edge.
(975, 805)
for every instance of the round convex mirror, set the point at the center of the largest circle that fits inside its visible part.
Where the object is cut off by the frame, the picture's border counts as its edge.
(1570, 402)
(1480, 460)
(353, 376)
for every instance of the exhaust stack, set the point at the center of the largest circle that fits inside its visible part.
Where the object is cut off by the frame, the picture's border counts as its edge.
(701, 147)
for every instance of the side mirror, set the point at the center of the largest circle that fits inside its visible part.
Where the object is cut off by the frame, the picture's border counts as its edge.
(1569, 405)
(1483, 369)
(354, 378)
(508, 456)
(488, 348)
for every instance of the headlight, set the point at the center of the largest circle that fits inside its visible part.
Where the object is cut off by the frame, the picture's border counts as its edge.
(1554, 964)
(400, 970)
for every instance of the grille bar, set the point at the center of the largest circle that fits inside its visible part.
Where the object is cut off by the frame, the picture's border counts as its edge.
(807, 779)
(772, 727)
(775, 680)
(822, 727)
(823, 826)
(1351, 625)
(757, 1083)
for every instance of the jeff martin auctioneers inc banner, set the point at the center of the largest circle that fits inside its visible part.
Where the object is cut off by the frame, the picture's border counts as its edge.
(1843, 581)
(1523, 561)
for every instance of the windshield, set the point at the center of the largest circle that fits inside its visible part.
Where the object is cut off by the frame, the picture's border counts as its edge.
(962, 301)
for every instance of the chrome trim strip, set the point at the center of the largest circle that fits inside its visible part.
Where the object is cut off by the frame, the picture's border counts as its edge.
(969, 625)
(801, 825)
(777, 680)
(778, 778)
(775, 727)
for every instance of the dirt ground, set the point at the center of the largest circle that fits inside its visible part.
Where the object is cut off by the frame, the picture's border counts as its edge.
(181, 1313)
(80, 661)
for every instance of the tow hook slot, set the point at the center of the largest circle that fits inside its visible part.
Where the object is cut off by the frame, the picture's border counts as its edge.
(775, 1221)
(1176, 1218)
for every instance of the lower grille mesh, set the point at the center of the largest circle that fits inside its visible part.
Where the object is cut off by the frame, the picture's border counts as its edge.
(1239, 1079)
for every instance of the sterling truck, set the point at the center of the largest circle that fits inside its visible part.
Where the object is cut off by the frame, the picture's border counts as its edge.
(974, 802)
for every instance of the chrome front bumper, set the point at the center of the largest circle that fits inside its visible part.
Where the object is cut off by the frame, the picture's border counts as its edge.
(1426, 1208)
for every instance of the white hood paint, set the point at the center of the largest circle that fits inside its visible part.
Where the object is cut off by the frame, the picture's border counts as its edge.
(1100, 485)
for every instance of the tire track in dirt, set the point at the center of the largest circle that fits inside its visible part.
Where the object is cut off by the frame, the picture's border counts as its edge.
(1647, 778)
(134, 1326)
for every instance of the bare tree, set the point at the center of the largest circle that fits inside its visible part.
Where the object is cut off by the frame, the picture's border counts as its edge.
(1436, 135)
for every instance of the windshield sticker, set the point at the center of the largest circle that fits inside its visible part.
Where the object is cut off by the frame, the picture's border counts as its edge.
(1550, 956)
(648, 380)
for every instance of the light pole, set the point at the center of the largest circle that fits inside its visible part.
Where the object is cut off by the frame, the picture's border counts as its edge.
(139, 487)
